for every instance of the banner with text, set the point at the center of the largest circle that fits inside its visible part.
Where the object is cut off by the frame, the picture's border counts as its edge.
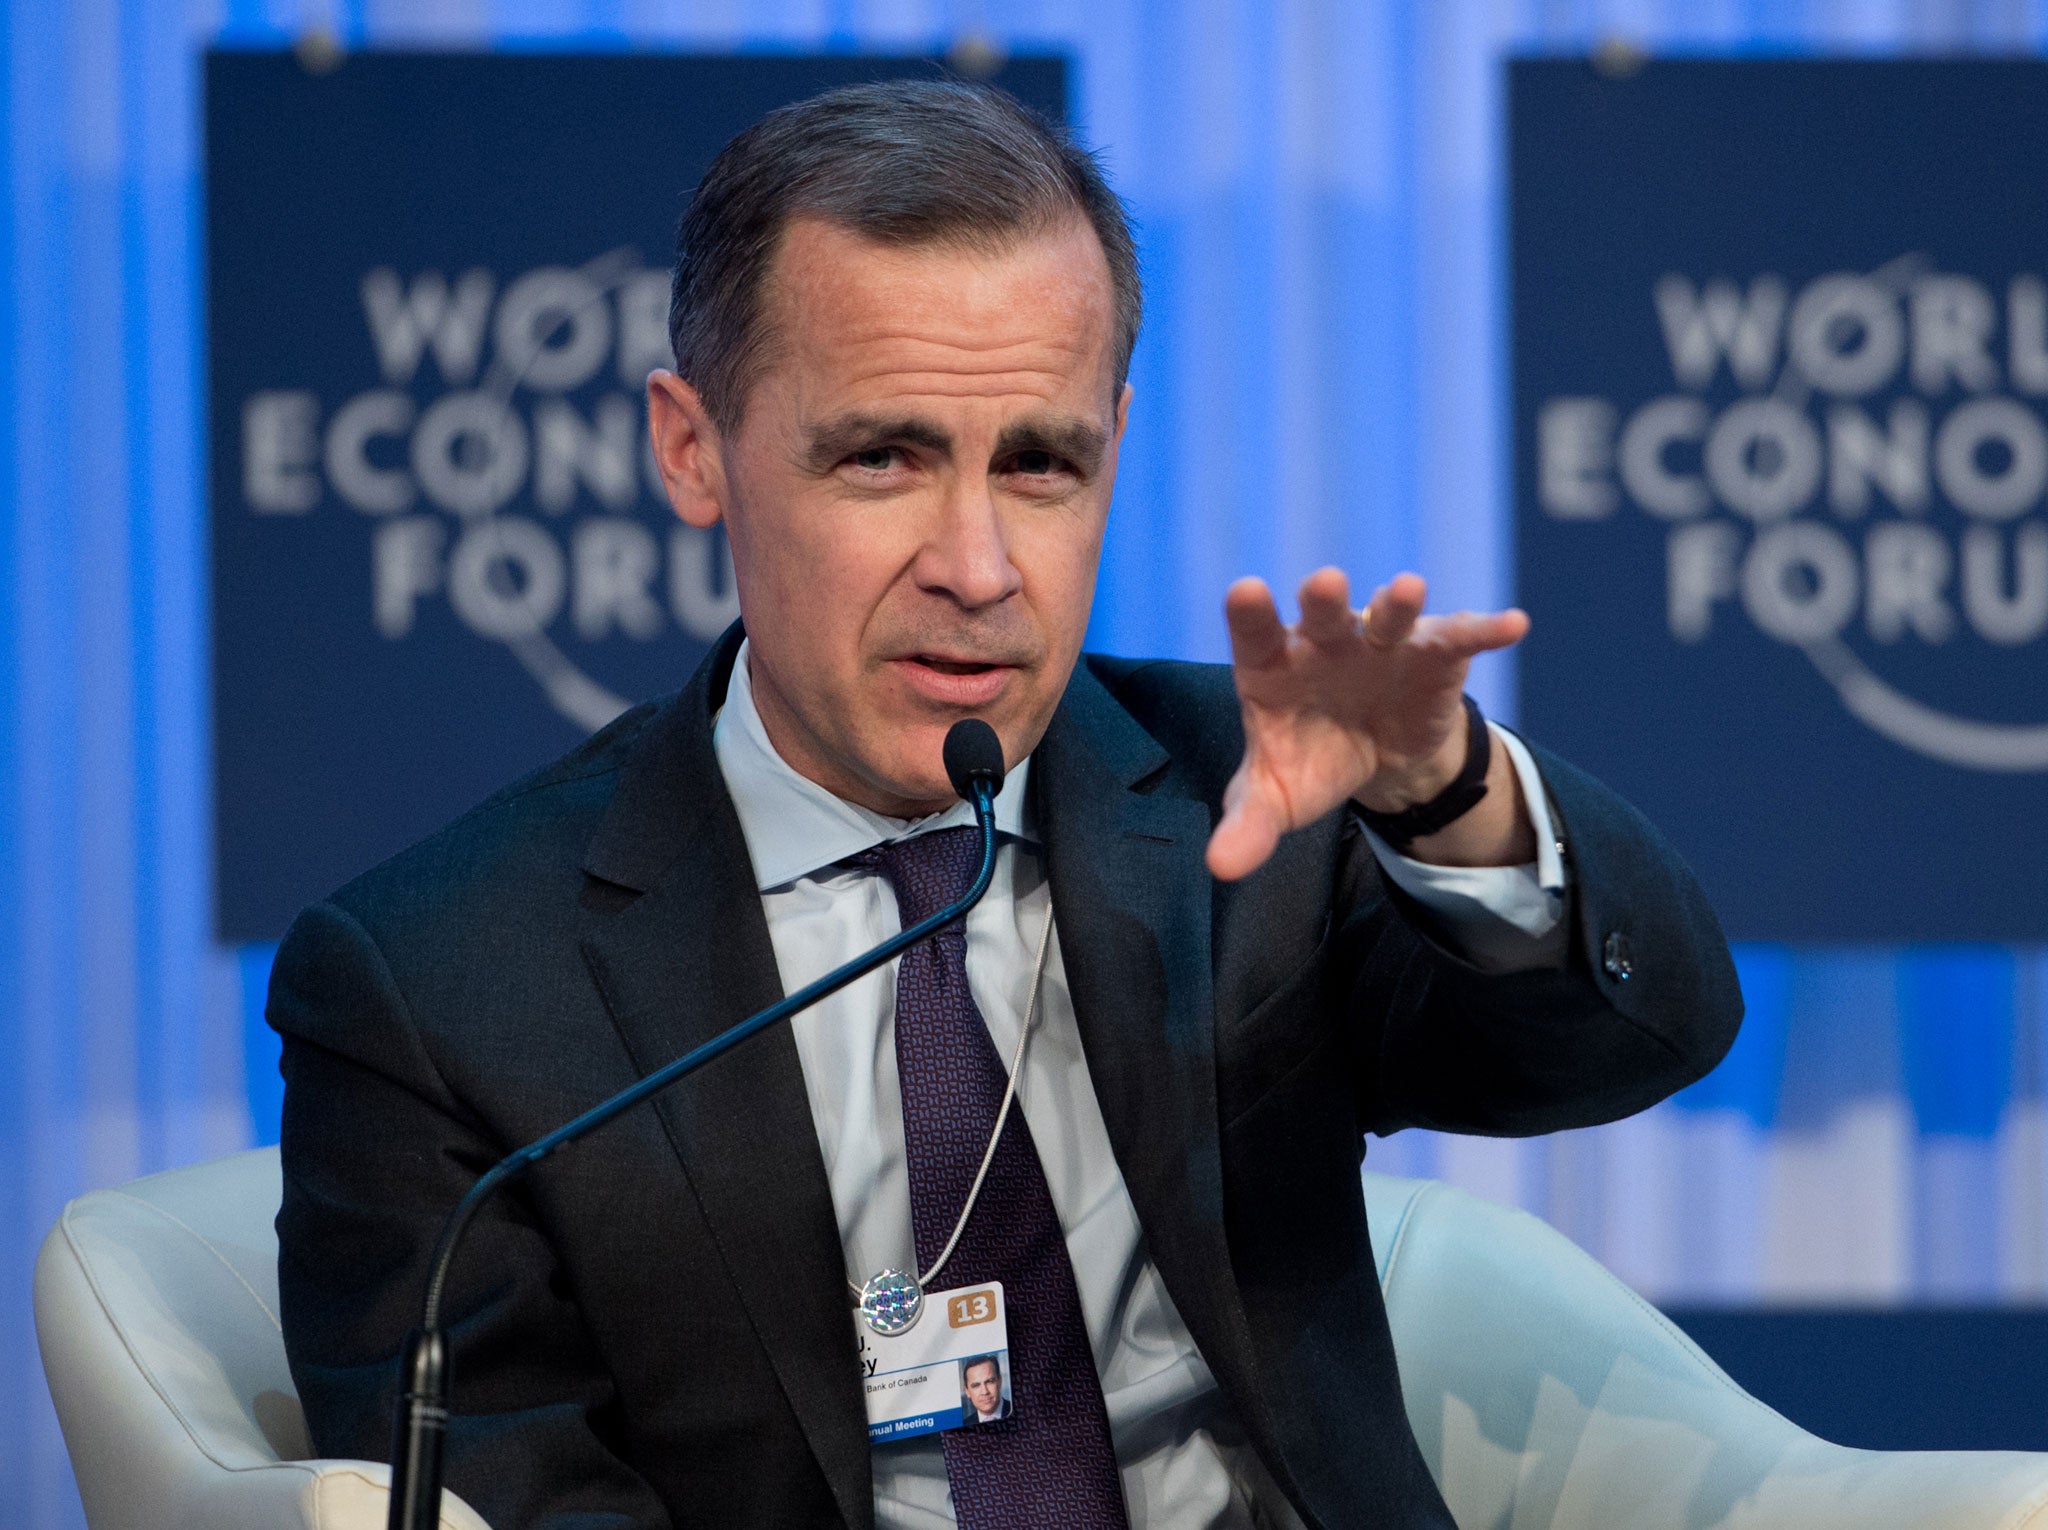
(441, 554)
(1780, 335)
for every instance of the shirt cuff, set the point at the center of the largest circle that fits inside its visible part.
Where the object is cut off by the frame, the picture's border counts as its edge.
(1499, 918)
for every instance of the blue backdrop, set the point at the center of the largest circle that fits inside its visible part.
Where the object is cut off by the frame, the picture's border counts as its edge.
(1318, 186)
(1760, 548)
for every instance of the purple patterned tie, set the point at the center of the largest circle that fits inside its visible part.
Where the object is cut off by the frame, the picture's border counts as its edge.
(1050, 1463)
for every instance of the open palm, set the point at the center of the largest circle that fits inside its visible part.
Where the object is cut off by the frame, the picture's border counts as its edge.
(1337, 706)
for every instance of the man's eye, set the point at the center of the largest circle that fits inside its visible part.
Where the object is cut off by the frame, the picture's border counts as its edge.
(1035, 464)
(875, 459)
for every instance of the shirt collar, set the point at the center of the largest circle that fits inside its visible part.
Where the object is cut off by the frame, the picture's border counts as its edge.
(793, 825)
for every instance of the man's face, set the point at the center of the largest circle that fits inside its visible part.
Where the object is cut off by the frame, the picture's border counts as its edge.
(985, 1386)
(915, 496)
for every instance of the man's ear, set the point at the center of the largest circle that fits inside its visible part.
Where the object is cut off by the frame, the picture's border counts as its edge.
(686, 450)
(1123, 412)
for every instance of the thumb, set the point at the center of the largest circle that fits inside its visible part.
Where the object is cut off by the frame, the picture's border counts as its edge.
(1251, 827)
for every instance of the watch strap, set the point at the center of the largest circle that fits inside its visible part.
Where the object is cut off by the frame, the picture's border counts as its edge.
(1423, 819)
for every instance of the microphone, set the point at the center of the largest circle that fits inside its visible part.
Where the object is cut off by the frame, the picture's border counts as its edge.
(974, 765)
(973, 755)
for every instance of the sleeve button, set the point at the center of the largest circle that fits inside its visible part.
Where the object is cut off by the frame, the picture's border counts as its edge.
(1614, 956)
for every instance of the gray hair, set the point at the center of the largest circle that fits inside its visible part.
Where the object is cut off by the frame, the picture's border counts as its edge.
(905, 162)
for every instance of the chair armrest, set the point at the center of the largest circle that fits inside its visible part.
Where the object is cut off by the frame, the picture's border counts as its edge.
(1818, 1486)
(308, 1495)
(158, 1440)
(1545, 1393)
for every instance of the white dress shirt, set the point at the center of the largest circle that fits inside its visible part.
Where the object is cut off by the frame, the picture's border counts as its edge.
(1183, 1459)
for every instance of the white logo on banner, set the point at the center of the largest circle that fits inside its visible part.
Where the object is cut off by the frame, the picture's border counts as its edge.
(540, 400)
(1880, 469)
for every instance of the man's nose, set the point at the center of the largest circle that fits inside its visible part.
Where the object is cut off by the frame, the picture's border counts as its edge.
(967, 555)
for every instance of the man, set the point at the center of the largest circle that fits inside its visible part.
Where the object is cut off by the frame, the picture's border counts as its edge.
(903, 318)
(981, 1383)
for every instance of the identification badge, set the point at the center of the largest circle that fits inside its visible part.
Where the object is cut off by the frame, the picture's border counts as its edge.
(951, 1370)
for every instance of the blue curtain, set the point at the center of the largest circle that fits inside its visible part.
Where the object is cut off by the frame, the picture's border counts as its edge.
(1318, 190)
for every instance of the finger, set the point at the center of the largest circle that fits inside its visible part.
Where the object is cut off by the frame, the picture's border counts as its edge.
(1257, 640)
(1251, 827)
(1327, 619)
(1395, 607)
(1470, 632)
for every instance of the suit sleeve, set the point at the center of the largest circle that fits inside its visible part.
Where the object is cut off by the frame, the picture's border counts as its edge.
(1646, 1003)
(376, 1152)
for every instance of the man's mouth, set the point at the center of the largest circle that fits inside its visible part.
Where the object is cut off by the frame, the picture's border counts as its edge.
(955, 680)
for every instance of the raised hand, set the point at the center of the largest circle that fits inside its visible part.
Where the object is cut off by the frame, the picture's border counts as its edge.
(1341, 705)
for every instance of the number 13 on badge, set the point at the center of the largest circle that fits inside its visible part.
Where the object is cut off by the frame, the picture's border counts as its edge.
(950, 1371)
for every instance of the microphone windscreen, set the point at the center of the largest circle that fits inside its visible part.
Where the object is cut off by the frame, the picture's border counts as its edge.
(973, 752)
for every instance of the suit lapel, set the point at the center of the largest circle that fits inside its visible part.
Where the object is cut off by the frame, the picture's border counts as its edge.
(688, 958)
(1124, 855)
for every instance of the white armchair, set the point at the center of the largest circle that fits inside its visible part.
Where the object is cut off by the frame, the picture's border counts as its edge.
(156, 1308)
(1545, 1394)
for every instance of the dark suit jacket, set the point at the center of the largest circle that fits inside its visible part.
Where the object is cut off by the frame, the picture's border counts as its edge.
(653, 1328)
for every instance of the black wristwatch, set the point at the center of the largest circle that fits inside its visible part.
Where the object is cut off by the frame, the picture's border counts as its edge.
(1402, 829)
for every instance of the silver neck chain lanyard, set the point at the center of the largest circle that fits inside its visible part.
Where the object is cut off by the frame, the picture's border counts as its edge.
(893, 1299)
